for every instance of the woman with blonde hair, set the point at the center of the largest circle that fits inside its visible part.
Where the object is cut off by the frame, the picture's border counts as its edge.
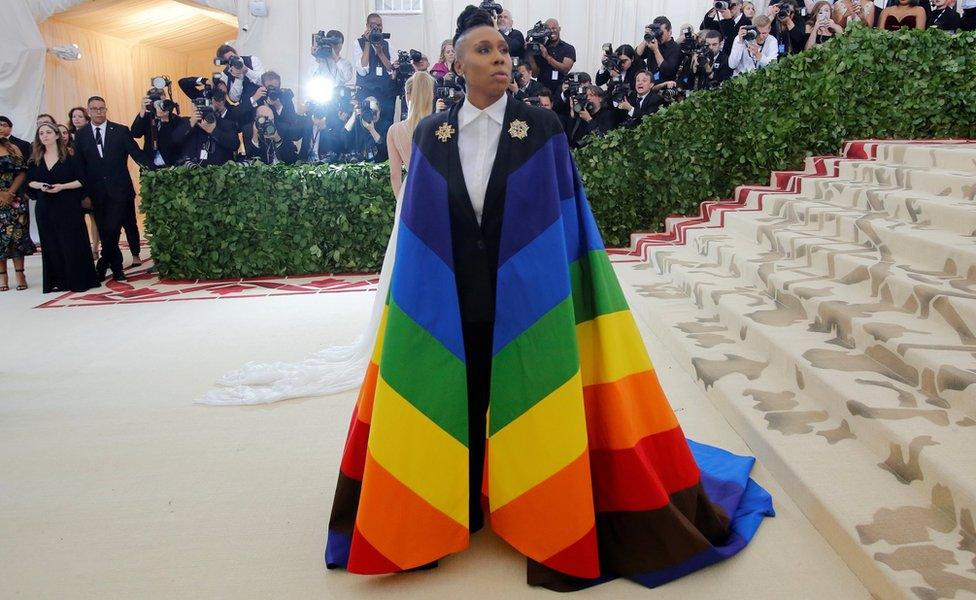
(419, 91)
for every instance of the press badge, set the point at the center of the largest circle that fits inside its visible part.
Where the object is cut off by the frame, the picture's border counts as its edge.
(657, 76)
(379, 71)
(203, 154)
(782, 48)
(555, 75)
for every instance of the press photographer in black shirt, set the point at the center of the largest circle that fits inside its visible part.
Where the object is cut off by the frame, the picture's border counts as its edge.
(659, 51)
(711, 69)
(726, 18)
(263, 141)
(591, 117)
(326, 138)
(553, 60)
(204, 138)
(374, 65)
(367, 128)
(514, 37)
(623, 63)
(789, 27)
(280, 100)
(155, 124)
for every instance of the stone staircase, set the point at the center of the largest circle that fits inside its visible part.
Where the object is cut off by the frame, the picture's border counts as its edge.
(831, 318)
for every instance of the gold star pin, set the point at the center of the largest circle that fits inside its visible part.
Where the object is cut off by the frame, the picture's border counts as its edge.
(519, 129)
(444, 132)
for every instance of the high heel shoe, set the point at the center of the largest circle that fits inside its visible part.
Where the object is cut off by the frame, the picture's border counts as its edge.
(5, 287)
(21, 286)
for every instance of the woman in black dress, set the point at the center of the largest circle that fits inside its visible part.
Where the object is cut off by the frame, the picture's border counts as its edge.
(60, 221)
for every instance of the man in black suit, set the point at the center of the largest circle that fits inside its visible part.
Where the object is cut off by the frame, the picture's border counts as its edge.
(103, 149)
(525, 86)
(514, 37)
(6, 127)
(278, 99)
(644, 101)
(206, 139)
(155, 125)
(324, 133)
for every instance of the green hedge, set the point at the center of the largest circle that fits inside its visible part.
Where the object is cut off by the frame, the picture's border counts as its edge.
(864, 84)
(252, 220)
(237, 221)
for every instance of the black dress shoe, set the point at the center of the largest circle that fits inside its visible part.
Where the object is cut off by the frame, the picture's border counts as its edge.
(120, 276)
(136, 261)
(101, 271)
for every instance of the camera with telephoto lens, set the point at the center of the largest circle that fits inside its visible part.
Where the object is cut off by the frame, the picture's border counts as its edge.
(265, 127)
(448, 91)
(688, 41)
(656, 32)
(534, 101)
(751, 34)
(785, 10)
(235, 62)
(325, 45)
(158, 86)
(581, 103)
(493, 7)
(537, 37)
(367, 110)
(721, 6)
(204, 102)
(611, 62)
(274, 93)
(619, 91)
(376, 35)
(672, 95)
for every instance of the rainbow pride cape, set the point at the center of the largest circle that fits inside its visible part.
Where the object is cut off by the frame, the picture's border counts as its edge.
(588, 473)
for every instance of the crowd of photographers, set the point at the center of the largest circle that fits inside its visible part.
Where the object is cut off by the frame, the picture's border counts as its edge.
(243, 112)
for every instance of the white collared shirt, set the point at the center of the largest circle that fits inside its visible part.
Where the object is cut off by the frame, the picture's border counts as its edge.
(103, 127)
(478, 135)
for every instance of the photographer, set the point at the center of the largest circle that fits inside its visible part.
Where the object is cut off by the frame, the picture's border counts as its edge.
(368, 130)
(642, 102)
(524, 86)
(753, 48)
(329, 64)
(545, 99)
(589, 116)
(789, 28)
(326, 135)
(374, 67)
(280, 100)
(944, 16)
(729, 19)
(555, 57)
(710, 65)
(156, 123)
(622, 65)
(575, 84)
(661, 53)
(264, 142)
(204, 138)
(514, 37)
(242, 73)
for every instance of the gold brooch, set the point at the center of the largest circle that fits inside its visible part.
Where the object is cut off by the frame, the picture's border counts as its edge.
(444, 132)
(519, 129)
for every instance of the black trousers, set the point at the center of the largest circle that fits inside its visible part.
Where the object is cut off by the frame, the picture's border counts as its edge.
(477, 350)
(131, 227)
(110, 215)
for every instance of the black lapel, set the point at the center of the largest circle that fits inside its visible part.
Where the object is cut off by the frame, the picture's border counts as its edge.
(497, 182)
(456, 186)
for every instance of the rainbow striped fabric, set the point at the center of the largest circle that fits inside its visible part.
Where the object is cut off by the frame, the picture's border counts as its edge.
(588, 473)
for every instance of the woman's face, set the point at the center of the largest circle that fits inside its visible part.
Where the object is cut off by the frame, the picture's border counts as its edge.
(78, 118)
(47, 134)
(749, 9)
(65, 134)
(625, 62)
(485, 62)
(449, 53)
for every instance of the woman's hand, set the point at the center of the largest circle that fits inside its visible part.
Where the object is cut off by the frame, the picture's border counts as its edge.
(440, 106)
(54, 188)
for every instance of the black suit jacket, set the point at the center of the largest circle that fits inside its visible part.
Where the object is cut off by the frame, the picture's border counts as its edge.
(107, 177)
(334, 138)
(475, 246)
(648, 106)
(157, 136)
(516, 43)
(531, 91)
(285, 151)
(221, 145)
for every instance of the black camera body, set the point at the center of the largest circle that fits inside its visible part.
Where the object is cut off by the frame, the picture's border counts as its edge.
(688, 42)
(620, 91)
(537, 37)
(274, 93)
(751, 34)
(324, 45)
(235, 62)
(611, 62)
(656, 32)
(376, 35)
(493, 7)
(581, 103)
(265, 127)
(367, 112)
(448, 91)
(721, 6)
(785, 11)
(672, 95)
(204, 104)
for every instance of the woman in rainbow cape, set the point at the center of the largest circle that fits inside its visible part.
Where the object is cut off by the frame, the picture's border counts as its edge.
(509, 382)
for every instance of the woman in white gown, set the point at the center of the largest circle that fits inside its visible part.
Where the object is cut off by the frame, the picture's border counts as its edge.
(336, 368)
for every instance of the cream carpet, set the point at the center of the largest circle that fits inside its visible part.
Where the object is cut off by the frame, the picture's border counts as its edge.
(113, 484)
